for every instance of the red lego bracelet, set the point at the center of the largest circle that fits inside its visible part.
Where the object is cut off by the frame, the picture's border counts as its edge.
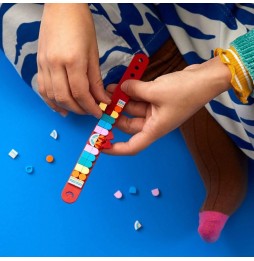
(101, 135)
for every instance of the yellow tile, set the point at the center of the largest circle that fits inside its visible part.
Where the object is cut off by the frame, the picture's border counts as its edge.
(103, 106)
(114, 114)
(85, 170)
(78, 167)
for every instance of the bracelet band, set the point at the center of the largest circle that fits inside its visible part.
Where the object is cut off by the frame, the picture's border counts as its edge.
(241, 80)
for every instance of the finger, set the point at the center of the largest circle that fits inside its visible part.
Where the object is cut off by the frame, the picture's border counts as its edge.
(55, 107)
(136, 143)
(111, 88)
(130, 125)
(79, 87)
(48, 84)
(62, 93)
(96, 83)
(136, 109)
(138, 89)
(43, 94)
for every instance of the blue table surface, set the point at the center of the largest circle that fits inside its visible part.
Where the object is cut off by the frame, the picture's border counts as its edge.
(36, 222)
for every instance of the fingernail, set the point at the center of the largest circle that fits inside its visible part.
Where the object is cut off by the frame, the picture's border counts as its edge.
(98, 116)
(124, 85)
(63, 114)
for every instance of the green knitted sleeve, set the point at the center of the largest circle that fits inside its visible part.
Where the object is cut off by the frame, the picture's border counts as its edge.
(244, 45)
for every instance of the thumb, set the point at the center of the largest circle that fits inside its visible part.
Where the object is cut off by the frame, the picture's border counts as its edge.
(137, 89)
(96, 83)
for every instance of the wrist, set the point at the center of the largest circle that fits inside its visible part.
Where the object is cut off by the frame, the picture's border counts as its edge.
(207, 80)
(218, 76)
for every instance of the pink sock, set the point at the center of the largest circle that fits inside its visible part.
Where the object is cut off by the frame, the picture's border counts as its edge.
(211, 224)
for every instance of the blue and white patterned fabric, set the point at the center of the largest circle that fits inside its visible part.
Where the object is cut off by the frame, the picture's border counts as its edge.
(125, 29)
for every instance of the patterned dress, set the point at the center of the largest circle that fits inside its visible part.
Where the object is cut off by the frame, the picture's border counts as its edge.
(125, 29)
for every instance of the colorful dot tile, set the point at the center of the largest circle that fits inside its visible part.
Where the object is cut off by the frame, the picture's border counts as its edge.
(85, 170)
(82, 176)
(118, 109)
(101, 130)
(13, 153)
(104, 124)
(87, 155)
(49, 158)
(132, 190)
(76, 182)
(155, 192)
(78, 167)
(29, 169)
(120, 103)
(91, 149)
(81, 168)
(103, 106)
(75, 173)
(137, 225)
(85, 162)
(93, 138)
(107, 118)
(114, 114)
(118, 194)
(54, 134)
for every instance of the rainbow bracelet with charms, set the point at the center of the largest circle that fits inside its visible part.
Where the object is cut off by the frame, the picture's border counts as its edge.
(101, 135)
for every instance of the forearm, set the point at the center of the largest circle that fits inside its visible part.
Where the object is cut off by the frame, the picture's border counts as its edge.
(65, 6)
(205, 82)
(73, 13)
(217, 77)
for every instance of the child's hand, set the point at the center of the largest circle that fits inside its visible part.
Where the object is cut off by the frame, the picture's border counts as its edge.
(68, 65)
(162, 105)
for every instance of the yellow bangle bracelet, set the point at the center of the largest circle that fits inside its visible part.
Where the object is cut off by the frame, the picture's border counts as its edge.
(241, 80)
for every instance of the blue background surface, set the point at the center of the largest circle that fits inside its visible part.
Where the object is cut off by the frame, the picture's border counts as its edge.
(36, 222)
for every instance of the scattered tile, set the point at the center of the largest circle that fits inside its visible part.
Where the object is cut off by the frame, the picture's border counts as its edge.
(132, 190)
(137, 225)
(13, 153)
(49, 158)
(29, 169)
(155, 192)
(118, 194)
(54, 134)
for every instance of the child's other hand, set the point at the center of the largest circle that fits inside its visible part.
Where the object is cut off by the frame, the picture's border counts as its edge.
(162, 105)
(69, 77)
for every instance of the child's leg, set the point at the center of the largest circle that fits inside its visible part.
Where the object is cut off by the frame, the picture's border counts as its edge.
(223, 168)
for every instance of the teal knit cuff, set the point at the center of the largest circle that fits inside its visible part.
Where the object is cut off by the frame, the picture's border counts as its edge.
(244, 46)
